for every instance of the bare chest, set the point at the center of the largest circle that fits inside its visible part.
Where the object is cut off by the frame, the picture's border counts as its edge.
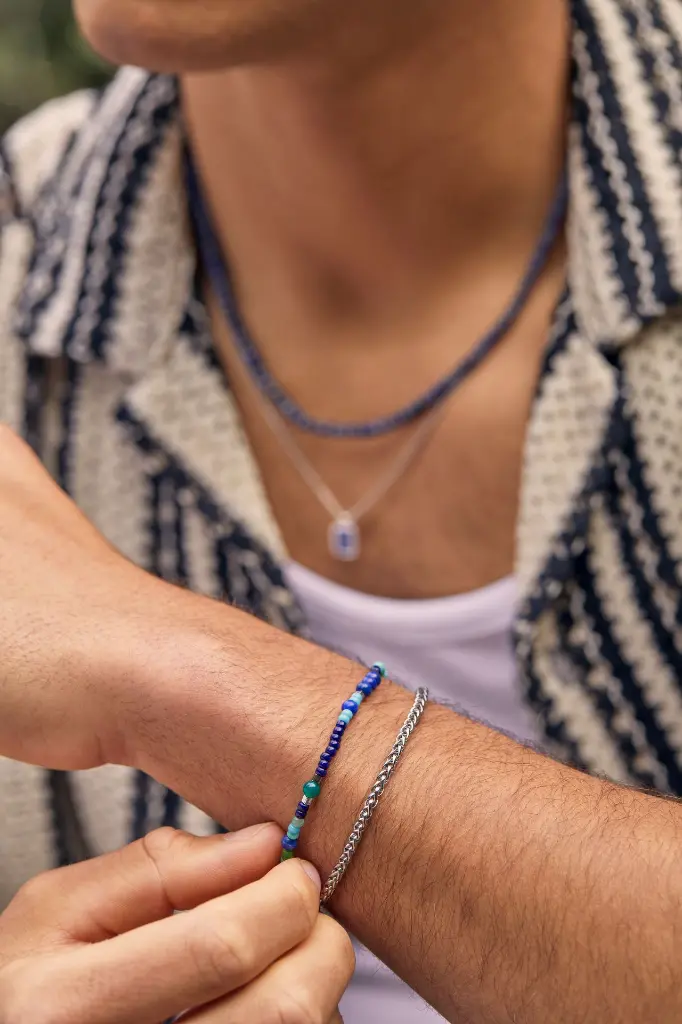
(447, 524)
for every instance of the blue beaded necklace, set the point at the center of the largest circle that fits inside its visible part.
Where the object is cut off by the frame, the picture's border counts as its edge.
(216, 268)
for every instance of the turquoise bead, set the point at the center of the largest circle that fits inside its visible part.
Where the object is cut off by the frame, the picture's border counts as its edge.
(357, 697)
(311, 789)
(297, 823)
(293, 833)
(345, 716)
(380, 667)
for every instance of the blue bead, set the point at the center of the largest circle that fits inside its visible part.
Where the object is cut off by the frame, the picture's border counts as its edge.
(321, 770)
(365, 688)
(325, 758)
(380, 668)
(332, 747)
(350, 705)
(289, 844)
(302, 810)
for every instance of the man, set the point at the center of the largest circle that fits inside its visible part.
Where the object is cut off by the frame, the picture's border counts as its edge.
(377, 177)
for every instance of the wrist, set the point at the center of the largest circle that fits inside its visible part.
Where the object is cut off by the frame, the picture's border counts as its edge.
(233, 713)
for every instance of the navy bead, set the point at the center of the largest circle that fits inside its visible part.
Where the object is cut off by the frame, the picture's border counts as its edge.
(321, 771)
(350, 705)
(302, 810)
(289, 844)
(332, 748)
(325, 759)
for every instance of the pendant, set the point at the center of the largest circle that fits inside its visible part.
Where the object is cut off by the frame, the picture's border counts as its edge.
(343, 538)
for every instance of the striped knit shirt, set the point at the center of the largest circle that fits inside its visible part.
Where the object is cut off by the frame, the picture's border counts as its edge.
(107, 367)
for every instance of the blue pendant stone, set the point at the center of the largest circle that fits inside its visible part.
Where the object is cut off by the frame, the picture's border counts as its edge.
(343, 539)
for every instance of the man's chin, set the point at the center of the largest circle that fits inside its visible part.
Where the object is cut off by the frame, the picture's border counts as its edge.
(192, 35)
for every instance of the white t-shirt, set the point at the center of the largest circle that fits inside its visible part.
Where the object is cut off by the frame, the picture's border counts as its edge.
(460, 647)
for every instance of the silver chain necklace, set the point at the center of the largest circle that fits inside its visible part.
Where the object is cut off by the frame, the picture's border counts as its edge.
(343, 535)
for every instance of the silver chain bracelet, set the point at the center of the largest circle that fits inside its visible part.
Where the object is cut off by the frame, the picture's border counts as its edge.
(369, 806)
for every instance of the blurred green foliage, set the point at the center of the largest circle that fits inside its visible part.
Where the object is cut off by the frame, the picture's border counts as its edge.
(41, 55)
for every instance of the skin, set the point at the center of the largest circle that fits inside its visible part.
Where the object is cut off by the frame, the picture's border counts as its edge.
(98, 943)
(477, 841)
(502, 886)
(353, 300)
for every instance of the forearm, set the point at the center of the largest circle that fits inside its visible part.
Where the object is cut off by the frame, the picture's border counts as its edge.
(500, 884)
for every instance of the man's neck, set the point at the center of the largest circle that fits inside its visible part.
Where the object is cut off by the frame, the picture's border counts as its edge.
(389, 154)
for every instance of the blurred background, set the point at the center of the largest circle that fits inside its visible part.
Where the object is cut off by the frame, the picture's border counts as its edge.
(41, 55)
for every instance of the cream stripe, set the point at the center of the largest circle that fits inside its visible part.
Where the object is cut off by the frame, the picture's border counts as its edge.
(46, 340)
(26, 841)
(108, 479)
(600, 677)
(199, 549)
(15, 238)
(185, 405)
(672, 12)
(593, 274)
(662, 174)
(572, 706)
(601, 130)
(104, 801)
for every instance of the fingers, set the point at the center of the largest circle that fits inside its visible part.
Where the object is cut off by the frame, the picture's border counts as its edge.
(189, 959)
(301, 988)
(168, 870)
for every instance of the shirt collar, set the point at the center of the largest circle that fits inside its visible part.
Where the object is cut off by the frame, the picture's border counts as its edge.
(101, 276)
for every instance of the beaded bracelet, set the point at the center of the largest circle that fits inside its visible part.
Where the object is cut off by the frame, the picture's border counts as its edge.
(312, 788)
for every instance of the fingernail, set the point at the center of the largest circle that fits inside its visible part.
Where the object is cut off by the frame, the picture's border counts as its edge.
(246, 835)
(312, 873)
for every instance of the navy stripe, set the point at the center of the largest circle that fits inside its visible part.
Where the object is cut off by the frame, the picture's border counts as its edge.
(74, 381)
(584, 21)
(140, 810)
(553, 728)
(563, 329)
(599, 698)
(153, 124)
(665, 563)
(51, 216)
(171, 809)
(661, 99)
(34, 400)
(181, 574)
(10, 206)
(624, 673)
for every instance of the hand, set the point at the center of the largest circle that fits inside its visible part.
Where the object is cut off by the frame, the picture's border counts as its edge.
(71, 611)
(97, 943)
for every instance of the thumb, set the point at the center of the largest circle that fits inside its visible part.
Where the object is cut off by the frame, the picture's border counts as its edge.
(168, 870)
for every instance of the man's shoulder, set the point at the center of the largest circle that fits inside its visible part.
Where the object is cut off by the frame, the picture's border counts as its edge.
(32, 150)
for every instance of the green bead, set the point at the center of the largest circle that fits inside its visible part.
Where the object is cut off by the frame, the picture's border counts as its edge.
(311, 789)
(379, 665)
(287, 855)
